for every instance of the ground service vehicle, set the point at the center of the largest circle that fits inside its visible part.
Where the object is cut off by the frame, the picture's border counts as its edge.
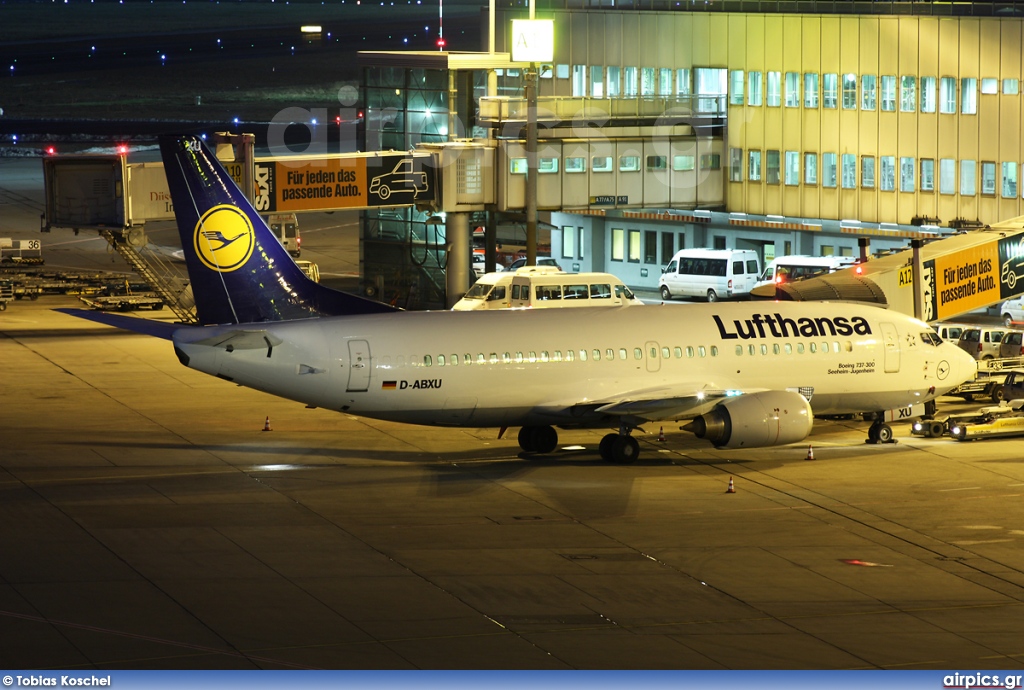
(981, 342)
(285, 227)
(783, 269)
(546, 287)
(990, 422)
(711, 274)
(1012, 345)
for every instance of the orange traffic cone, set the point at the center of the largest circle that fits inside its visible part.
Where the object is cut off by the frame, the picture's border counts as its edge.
(661, 433)
(810, 452)
(732, 487)
(266, 424)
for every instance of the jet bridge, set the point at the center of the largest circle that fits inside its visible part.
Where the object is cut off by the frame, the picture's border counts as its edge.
(935, 280)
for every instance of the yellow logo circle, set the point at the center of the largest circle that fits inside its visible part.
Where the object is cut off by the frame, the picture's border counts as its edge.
(224, 238)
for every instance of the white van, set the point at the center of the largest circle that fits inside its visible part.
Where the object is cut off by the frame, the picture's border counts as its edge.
(783, 269)
(285, 227)
(546, 287)
(710, 273)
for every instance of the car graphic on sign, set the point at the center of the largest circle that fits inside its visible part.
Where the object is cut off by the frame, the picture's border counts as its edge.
(1013, 267)
(400, 180)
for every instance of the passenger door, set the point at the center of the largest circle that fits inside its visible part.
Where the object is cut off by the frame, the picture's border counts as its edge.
(891, 343)
(358, 365)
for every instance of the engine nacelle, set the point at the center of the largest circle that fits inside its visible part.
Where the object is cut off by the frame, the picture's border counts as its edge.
(772, 418)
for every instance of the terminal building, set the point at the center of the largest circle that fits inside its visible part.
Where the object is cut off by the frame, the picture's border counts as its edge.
(783, 127)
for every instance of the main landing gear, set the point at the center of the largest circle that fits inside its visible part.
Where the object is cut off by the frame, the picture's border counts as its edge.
(620, 448)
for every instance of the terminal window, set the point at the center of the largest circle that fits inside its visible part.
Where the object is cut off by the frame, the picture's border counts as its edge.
(867, 92)
(810, 90)
(908, 94)
(792, 89)
(829, 91)
(888, 88)
(927, 174)
(947, 95)
(927, 94)
(867, 172)
(1009, 180)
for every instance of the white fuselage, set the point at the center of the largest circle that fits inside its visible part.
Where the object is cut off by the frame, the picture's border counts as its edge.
(513, 368)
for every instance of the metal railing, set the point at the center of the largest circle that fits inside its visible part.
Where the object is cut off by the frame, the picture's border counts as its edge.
(497, 109)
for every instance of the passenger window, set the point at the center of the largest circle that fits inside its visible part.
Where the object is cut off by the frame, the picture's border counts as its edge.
(426, 360)
(583, 355)
(799, 348)
(532, 357)
(654, 353)
(400, 361)
(602, 291)
(689, 351)
(440, 360)
(714, 350)
(549, 292)
(752, 266)
(575, 292)
(494, 358)
(789, 348)
(506, 358)
(775, 348)
(557, 356)
(638, 353)
(665, 354)
(824, 348)
(739, 350)
(597, 355)
(467, 358)
(678, 351)
(849, 345)
(764, 349)
(813, 349)
(519, 358)
(622, 353)
(570, 355)
(609, 354)
(751, 350)
(455, 360)
(480, 358)
(498, 293)
(835, 347)
(702, 351)
(544, 356)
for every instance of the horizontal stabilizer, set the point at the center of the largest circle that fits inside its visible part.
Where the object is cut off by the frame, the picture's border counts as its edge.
(157, 329)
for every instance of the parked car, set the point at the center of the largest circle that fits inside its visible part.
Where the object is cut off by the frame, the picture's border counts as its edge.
(981, 342)
(1012, 310)
(1012, 345)
(990, 422)
(950, 332)
(541, 261)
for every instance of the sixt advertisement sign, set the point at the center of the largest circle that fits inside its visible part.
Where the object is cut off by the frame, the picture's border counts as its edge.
(974, 278)
(343, 183)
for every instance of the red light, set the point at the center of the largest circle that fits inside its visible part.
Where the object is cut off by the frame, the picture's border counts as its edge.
(440, 43)
(779, 279)
(122, 149)
(859, 270)
(338, 119)
(51, 150)
(360, 114)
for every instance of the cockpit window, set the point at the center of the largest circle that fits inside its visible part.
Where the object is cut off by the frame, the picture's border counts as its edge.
(931, 337)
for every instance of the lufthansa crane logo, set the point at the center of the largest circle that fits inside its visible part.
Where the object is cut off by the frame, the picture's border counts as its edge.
(224, 238)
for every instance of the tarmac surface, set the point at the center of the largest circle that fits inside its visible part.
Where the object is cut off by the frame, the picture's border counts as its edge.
(148, 521)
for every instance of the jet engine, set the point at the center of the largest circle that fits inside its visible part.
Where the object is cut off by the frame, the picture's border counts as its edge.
(771, 418)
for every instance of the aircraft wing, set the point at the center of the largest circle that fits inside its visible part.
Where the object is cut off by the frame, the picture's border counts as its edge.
(644, 404)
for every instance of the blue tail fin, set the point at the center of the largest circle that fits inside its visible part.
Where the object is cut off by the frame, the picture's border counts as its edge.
(239, 271)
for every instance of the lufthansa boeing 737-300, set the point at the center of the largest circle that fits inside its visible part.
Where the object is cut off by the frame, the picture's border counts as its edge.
(746, 374)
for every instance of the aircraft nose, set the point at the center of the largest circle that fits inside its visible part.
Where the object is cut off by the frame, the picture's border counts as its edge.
(964, 367)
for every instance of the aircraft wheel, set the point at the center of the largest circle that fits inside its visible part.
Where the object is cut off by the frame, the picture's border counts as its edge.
(936, 429)
(625, 450)
(544, 439)
(606, 446)
(666, 294)
(884, 433)
(526, 439)
(712, 296)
